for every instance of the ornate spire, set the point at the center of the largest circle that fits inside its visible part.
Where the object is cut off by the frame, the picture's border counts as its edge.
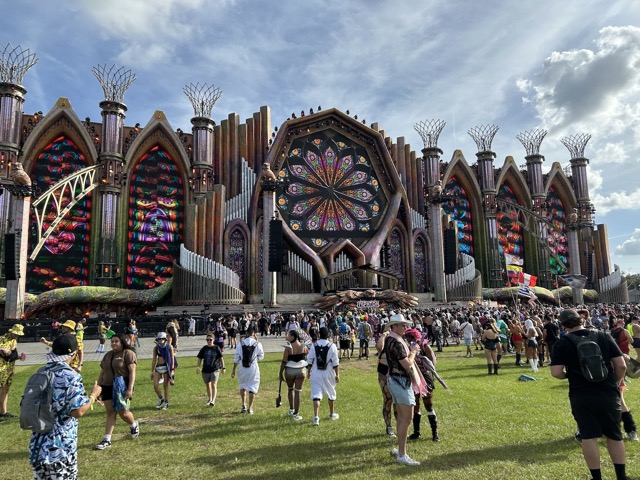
(114, 81)
(576, 144)
(483, 136)
(429, 131)
(531, 140)
(203, 98)
(15, 62)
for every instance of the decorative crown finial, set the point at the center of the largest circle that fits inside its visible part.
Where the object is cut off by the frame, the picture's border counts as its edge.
(114, 81)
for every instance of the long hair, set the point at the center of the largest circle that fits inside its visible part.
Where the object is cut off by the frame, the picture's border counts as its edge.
(124, 340)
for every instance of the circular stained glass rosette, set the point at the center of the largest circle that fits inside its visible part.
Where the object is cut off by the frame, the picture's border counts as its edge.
(331, 191)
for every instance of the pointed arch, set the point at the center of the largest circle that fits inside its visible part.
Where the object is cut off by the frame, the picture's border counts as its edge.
(64, 260)
(236, 250)
(510, 174)
(155, 219)
(421, 261)
(560, 200)
(61, 120)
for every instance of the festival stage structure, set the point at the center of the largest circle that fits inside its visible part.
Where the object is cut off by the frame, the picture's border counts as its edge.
(97, 216)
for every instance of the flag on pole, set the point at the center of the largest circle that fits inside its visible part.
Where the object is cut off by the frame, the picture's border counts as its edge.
(514, 270)
(527, 280)
(574, 281)
(513, 259)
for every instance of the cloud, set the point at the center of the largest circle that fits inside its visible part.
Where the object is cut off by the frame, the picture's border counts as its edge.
(630, 246)
(590, 89)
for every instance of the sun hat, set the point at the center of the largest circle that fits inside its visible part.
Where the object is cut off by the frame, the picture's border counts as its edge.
(17, 329)
(398, 318)
(62, 348)
(70, 324)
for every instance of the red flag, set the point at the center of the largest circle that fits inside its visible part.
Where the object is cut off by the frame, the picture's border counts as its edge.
(527, 280)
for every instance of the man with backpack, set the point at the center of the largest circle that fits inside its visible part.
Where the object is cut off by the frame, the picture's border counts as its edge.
(365, 332)
(594, 366)
(53, 448)
(323, 375)
(248, 353)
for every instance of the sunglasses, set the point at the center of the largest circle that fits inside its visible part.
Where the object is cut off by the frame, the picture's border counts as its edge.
(209, 339)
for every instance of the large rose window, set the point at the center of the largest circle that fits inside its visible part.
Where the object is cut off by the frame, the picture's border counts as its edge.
(331, 190)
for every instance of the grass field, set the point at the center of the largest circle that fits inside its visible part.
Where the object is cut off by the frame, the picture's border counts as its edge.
(492, 427)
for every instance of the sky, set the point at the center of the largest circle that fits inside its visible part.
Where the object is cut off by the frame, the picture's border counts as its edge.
(569, 67)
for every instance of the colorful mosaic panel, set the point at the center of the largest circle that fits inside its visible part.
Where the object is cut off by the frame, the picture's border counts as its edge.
(64, 259)
(396, 257)
(237, 258)
(420, 266)
(558, 240)
(460, 211)
(331, 190)
(510, 233)
(156, 216)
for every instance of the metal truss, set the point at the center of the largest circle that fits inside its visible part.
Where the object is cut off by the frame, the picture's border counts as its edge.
(60, 199)
(528, 218)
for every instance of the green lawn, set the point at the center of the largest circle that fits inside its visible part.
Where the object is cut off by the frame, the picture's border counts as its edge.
(491, 427)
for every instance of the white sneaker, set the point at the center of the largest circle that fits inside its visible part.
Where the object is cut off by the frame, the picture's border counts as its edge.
(390, 432)
(291, 413)
(334, 416)
(394, 452)
(407, 460)
(633, 436)
(250, 411)
(297, 417)
(160, 403)
(315, 422)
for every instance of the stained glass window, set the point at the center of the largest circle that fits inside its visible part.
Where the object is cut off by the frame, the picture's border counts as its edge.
(63, 261)
(237, 259)
(460, 211)
(331, 190)
(420, 266)
(156, 203)
(510, 234)
(558, 240)
(396, 256)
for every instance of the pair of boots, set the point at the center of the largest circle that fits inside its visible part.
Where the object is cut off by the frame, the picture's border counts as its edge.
(433, 422)
(495, 369)
(519, 360)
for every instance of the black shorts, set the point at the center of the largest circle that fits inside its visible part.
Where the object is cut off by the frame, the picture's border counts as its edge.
(598, 414)
(531, 343)
(364, 343)
(636, 343)
(345, 344)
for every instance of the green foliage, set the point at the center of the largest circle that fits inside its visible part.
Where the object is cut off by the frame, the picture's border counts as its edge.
(491, 427)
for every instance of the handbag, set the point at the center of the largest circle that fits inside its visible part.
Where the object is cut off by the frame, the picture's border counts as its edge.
(279, 397)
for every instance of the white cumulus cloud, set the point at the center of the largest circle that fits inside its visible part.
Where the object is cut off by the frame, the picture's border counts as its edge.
(630, 246)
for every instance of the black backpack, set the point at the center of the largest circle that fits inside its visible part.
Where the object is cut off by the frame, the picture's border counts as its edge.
(592, 365)
(321, 356)
(36, 406)
(247, 354)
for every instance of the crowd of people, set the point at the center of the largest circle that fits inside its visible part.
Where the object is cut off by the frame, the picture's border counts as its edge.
(406, 345)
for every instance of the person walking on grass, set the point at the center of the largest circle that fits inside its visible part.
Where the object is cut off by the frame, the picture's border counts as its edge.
(324, 375)
(54, 454)
(293, 371)
(117, 380)
(595, 406)
(212, 361)
(163, 367)
(402, 376)
(248, 353)
(466, 330)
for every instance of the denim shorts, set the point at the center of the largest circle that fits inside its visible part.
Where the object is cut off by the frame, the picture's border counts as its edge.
(401, 390)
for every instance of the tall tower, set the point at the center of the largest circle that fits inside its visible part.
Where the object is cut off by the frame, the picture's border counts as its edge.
(581, 225)
(15, 62)
(114, 82)
(429, 131)
(531, 142)
(483, 136)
